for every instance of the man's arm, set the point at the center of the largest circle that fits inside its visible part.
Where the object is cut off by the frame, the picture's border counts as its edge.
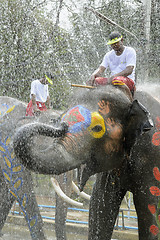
(126, 72)
(33, 98)
(97, 73)
(48, 102)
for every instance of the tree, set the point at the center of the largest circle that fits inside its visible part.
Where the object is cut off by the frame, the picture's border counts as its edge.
(31, 45)
(92, 33)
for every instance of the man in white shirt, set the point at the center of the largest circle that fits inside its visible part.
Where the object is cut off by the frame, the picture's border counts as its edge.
(39, 96)
(121, 61)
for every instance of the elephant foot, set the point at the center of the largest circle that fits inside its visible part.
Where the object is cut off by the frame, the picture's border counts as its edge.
(1, 236)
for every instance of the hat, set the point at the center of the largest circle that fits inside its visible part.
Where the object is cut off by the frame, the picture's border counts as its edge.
(114, 37)
(49, 78)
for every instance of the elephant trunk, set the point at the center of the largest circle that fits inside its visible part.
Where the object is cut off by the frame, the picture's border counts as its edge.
(52, 160)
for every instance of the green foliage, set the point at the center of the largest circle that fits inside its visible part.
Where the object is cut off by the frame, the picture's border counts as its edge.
(92, 33)
(31, 46)
(155, 40)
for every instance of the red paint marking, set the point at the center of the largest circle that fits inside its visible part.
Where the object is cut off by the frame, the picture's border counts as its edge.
(158, 123)
(104, 107)
(152, 208)
(154, 230)
(73, 116)
(155, 191)
(156, 173)
(156, 135)
(156, 139)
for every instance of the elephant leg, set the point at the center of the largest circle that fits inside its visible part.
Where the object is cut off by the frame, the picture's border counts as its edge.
(6, 201)
(22, 191)
(146, 219)
(60, 219)
(104, 207)
(65, 182)
(28, 203)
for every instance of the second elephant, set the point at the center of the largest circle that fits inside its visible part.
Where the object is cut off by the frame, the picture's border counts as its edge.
(16, 181)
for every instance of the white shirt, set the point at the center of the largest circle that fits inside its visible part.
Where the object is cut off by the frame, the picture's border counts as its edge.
(39, 90)
(117, 64)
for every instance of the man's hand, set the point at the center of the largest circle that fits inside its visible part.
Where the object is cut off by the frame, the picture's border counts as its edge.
(97, 73)
(110, 79)
(127, 71)
(36, 111)
(48, 102)
(91, 81)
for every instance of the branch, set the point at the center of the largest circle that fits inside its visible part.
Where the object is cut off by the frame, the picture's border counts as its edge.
(58, 12)
(39, 4)
(105, 19)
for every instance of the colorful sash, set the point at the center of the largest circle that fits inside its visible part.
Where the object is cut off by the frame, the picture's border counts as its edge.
(120, 80)
(40, 105)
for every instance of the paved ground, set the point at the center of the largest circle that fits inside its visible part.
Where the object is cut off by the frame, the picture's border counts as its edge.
(14, 232)
(15, 228)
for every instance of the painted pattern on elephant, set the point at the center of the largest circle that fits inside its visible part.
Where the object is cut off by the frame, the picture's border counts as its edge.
(81, 119)
(154, 190)
(12, 170)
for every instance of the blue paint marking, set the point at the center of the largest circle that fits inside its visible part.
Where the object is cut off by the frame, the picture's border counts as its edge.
(16, 185)
(78, 119)
(4, 105)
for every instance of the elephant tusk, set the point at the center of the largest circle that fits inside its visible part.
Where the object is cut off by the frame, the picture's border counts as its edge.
(157, 99)
(62, 195)
(81, 194)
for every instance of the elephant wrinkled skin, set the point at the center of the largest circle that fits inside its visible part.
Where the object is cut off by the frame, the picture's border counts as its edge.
(16, 181)
(104, 131)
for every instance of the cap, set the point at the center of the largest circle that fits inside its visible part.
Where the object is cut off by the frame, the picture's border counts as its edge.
(114, 37)
(49, 79)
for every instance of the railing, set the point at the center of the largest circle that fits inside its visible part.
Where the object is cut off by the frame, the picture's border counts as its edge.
(117, 226)
(121, 213)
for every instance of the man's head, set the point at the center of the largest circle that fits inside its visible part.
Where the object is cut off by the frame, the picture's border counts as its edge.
(114, 37)
(116, 41)
(47, 78)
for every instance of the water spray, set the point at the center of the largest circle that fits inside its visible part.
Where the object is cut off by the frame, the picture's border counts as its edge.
(106, 19)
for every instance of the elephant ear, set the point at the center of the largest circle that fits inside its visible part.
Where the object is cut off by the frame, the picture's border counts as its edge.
(138, 122)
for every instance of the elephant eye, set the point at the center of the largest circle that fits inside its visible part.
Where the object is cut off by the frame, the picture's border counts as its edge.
(97, 128)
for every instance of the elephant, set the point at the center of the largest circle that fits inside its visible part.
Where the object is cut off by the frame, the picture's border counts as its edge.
(111, 136)
(140, 175)
(16, 181)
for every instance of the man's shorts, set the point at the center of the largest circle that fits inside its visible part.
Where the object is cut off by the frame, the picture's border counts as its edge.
(120, 80)
(40, 105)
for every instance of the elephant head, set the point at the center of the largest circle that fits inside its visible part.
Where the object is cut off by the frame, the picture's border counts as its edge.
(98, 130)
